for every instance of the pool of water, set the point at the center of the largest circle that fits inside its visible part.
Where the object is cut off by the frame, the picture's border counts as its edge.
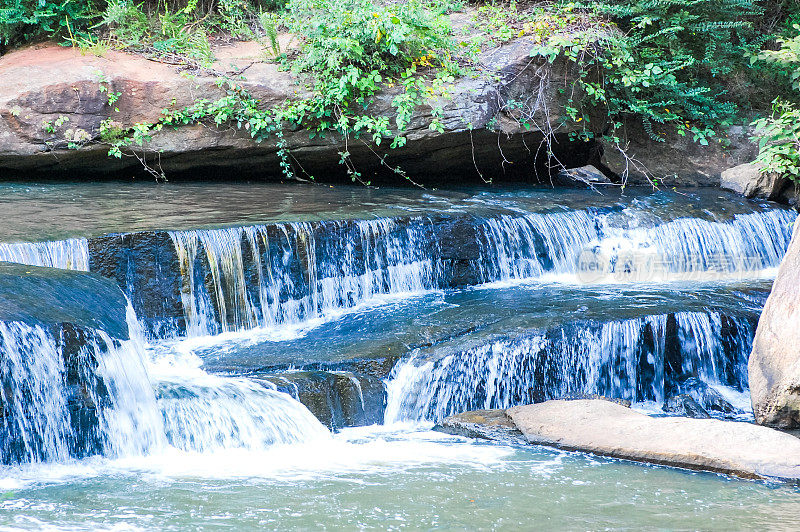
(387, 478)
(51, 211)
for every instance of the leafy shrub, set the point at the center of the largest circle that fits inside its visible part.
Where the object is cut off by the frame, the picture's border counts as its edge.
(661, 61)
(779, 134)
(25, 20)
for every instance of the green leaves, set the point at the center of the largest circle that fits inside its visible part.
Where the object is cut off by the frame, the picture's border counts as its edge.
(778, 138)
(661, 63)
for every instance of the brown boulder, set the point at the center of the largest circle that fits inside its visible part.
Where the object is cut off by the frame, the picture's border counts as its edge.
(774, 367)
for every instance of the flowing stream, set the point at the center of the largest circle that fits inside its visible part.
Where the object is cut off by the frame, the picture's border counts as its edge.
(285, 360)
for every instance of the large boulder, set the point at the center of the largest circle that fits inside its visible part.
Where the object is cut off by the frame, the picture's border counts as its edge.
(609, 429)
(748, 180)
(774, 367)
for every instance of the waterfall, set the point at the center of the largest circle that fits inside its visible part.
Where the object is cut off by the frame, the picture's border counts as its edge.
(245, 277)
(627, 359)
(209, 413)
(71, 254)
(613, 247)
(272, 275)
(116, 398)
(35, 416)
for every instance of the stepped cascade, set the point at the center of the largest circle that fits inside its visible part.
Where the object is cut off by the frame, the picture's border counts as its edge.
(258, 345)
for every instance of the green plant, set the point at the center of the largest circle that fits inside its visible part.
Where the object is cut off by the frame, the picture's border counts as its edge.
(24, 20)
(659, 60)
(270, 23)
(779, 134)
(779, 141)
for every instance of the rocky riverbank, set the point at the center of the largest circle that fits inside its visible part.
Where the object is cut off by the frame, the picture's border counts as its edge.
(53, 99)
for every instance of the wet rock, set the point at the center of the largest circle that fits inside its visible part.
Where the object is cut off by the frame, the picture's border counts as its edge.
(748, 180)
(705, 396)
(608, 429)
(51, 296)
(684, 405)
(337, 398)
(482, 424)
(774, 367)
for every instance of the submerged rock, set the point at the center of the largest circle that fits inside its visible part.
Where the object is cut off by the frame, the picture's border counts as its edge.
(482, 424)
(774, 366)
(608, 429)
(704, 396)
(684, 405)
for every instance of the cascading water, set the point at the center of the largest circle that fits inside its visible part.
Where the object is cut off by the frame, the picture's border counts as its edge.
(70, 254)
(637, 360)
(138, 405)
(268, 276)
(282, 274)
(35, 415)
(599, 247)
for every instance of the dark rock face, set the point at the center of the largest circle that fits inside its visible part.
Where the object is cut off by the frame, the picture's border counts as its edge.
(337, 398)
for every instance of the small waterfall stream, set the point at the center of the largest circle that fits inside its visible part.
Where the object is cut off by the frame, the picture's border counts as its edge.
(149, 393)
(626, 359)
(141, 405)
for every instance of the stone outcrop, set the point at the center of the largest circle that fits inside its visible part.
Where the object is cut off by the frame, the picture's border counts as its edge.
(609, 429)
(748, 180)
(52, 95)
(774, 367)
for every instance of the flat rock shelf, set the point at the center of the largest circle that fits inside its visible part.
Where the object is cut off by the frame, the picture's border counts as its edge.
(610, 429)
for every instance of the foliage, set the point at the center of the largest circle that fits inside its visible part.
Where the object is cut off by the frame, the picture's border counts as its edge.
(779, 141)
(25, 20)
(779, 134)
(353, 49)
(662, 61)
(788, 57)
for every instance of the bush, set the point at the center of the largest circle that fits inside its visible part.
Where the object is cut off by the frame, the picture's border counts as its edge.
(779, 135)
(664, 62)
(25, 20)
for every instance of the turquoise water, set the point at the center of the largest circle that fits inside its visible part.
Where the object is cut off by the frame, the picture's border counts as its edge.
(389, 479)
